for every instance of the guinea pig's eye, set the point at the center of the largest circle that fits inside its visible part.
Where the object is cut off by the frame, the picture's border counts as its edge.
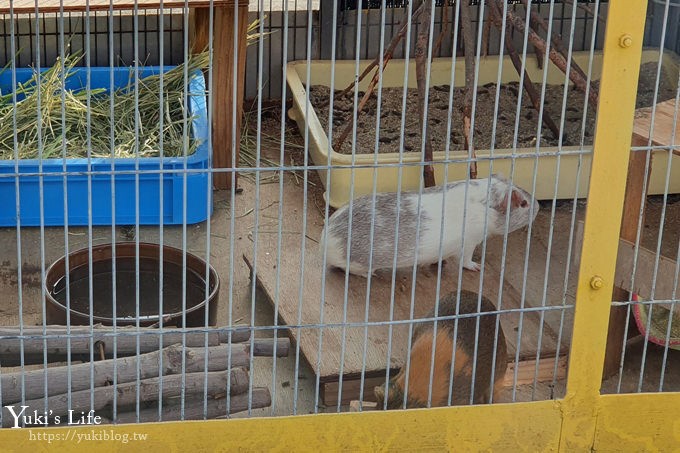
(524, 204)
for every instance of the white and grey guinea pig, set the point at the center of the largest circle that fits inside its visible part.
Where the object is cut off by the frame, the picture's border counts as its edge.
(500, 196)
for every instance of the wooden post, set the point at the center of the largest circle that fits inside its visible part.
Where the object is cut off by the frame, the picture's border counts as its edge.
(225, 137)
(632, 203)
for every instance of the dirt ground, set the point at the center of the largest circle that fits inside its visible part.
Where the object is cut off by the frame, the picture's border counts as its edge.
(438, 114)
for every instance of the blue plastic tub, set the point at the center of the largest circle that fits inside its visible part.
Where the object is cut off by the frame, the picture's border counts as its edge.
(126, 199)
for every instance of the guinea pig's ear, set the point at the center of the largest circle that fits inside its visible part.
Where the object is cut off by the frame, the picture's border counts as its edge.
(518, 200)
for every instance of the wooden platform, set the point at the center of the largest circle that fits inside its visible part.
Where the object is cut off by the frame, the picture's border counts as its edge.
(303, 308)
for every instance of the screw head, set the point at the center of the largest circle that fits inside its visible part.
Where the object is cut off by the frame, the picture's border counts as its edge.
(596, 282)
(625, 41)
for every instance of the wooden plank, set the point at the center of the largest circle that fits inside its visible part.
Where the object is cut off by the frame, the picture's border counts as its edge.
(330, 362)
(53, 6)
(664, 129)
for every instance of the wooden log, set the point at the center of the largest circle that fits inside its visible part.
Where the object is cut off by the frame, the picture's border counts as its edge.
(193, 410)
(239, 333)
(554, 55)
(126, 340)
(265, 347)
(536, 22)
(129, 393)
(101, 373)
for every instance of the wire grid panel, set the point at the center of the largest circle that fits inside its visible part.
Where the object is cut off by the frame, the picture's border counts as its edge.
(647, 265)
(458, 294)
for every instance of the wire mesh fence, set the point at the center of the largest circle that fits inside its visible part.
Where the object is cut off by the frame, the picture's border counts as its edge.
(408, 185)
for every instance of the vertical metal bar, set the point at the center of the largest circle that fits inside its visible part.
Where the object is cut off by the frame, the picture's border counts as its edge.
(279, 237)
(331, 94)
(512, 175)
(258, 163)
(209, 201)
(112, 146)
(135, 40)
(357, 51)
(232, 201)
(486, 211)
(41, 191)
(305, 182)
(62, 79)
(499, 302)
(185, 151)
(400, 171)
(161, 195)
(374, 190)
(603, 219)
(557, 177)
(88, 84)
(17, 201)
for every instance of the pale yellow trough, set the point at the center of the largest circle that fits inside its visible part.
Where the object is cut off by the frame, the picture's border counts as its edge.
(544, 161)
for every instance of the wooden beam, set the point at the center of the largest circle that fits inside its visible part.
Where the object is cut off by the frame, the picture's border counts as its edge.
(227, 71)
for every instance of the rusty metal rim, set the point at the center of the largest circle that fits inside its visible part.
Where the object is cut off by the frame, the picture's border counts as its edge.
(61, 262)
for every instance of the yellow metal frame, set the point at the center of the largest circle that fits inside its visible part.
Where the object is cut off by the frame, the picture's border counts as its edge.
(583, 421)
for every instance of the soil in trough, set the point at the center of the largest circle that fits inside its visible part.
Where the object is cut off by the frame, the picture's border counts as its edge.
(438, 112)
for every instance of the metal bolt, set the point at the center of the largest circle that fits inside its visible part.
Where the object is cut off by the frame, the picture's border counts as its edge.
(596, 282)
(625, 41)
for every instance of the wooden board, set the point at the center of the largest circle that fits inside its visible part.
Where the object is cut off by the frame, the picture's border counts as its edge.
(301, 307)
(664, 129)
(53, 6)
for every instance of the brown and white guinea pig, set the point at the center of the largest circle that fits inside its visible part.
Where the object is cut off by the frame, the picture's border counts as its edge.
(421, 357)
(501, 197)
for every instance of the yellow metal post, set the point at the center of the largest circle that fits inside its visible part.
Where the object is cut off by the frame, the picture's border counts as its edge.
(611, 151)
